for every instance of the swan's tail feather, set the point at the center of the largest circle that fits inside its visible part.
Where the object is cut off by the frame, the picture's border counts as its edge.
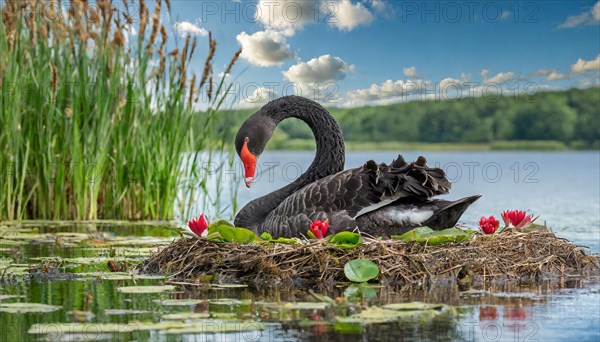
(402, 179)
(448, 215)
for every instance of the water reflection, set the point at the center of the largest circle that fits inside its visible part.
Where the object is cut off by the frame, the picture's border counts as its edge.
(72, 275)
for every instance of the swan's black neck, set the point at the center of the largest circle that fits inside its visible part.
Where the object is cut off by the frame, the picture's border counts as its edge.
(329, 158)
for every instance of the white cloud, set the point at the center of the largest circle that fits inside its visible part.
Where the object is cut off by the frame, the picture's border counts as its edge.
(583, 66)
(411, 72)
(264, 48)
(316, 79)
(287, 16)
(321, 69)
(259, 97)
(555, 76)
(348, 16)
(185, 27)
(383, 8)
(590, 17)
(389, 89)
(505, 15)
(498, 78)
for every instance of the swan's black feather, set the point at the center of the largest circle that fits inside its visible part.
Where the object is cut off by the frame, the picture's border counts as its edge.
(343, 197)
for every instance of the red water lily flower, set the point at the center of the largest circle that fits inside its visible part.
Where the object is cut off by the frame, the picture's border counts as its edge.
(488, 313)
(517, 218)
(199, 225)
(319, 228)
(489, 224)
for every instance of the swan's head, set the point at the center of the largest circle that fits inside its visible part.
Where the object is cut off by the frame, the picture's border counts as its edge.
(250, 142)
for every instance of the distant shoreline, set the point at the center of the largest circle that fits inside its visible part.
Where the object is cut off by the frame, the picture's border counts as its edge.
(525, 145)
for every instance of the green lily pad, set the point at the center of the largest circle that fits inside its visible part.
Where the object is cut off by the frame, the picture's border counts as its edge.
(218, 223)
(4, 297)
(178, 302)
(62, 329)
(228, 233)
(381, 315)
(185, 316)
(434, 238)
(267, 237)
(28, 308)
(361, 270)
(304, 306)
(413, 306)
(356, 292)
(229, 286)
(146, 289)
(122, 312)
(216, 327)
(119, 275)
(346, 240)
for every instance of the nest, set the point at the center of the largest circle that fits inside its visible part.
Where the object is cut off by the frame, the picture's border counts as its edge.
(510, 256)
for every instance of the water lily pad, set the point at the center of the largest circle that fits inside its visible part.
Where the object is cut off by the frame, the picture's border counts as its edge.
(185, 316)
(146, 289)
(229, 286)
(381, 315)
(122, 312)
(178, 302)
(5, 297)
(356, 292)
(62, 329)
(434, 238)
(216, 327)
(292, 241)
(227, 233)
(346, 240)
(304, 306)
(28, 307)
(361, 270)
(119, 275)
(413, 306)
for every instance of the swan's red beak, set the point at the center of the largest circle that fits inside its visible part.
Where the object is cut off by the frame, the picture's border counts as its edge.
(249, 161)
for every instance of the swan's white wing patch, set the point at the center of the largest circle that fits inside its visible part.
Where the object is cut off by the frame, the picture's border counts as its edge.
(410, 217)
(376, 206)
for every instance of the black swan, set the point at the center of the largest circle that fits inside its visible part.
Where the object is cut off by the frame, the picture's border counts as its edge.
(379, 199)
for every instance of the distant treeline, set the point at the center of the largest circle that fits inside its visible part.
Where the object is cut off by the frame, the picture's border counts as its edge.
(571, 117)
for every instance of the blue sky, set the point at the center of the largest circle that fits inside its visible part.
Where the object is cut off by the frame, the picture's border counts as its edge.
(353, 53)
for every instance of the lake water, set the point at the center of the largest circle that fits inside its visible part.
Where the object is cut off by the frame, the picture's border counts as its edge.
(562, 187)
(66, 268)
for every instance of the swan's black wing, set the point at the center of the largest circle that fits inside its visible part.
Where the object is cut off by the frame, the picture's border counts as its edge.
(408, 213)
(344, 196)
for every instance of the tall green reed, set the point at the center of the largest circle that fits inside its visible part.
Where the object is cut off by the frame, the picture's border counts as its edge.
(96, 123)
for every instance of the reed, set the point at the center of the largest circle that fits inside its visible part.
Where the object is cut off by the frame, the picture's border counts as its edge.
(95, 124)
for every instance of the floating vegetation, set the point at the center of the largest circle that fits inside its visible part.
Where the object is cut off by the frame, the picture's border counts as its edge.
(360, 270)
(216, 327)
(521, 256)
(122, 312)
(178, 302)
(146, 289)
(117, 276)
(28, 308)
(185, 316)
(229, 286)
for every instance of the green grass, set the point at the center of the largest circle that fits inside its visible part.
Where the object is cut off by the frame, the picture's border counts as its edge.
(93, 128)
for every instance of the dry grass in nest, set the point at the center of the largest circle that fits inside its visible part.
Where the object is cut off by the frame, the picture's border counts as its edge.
(510, 256)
